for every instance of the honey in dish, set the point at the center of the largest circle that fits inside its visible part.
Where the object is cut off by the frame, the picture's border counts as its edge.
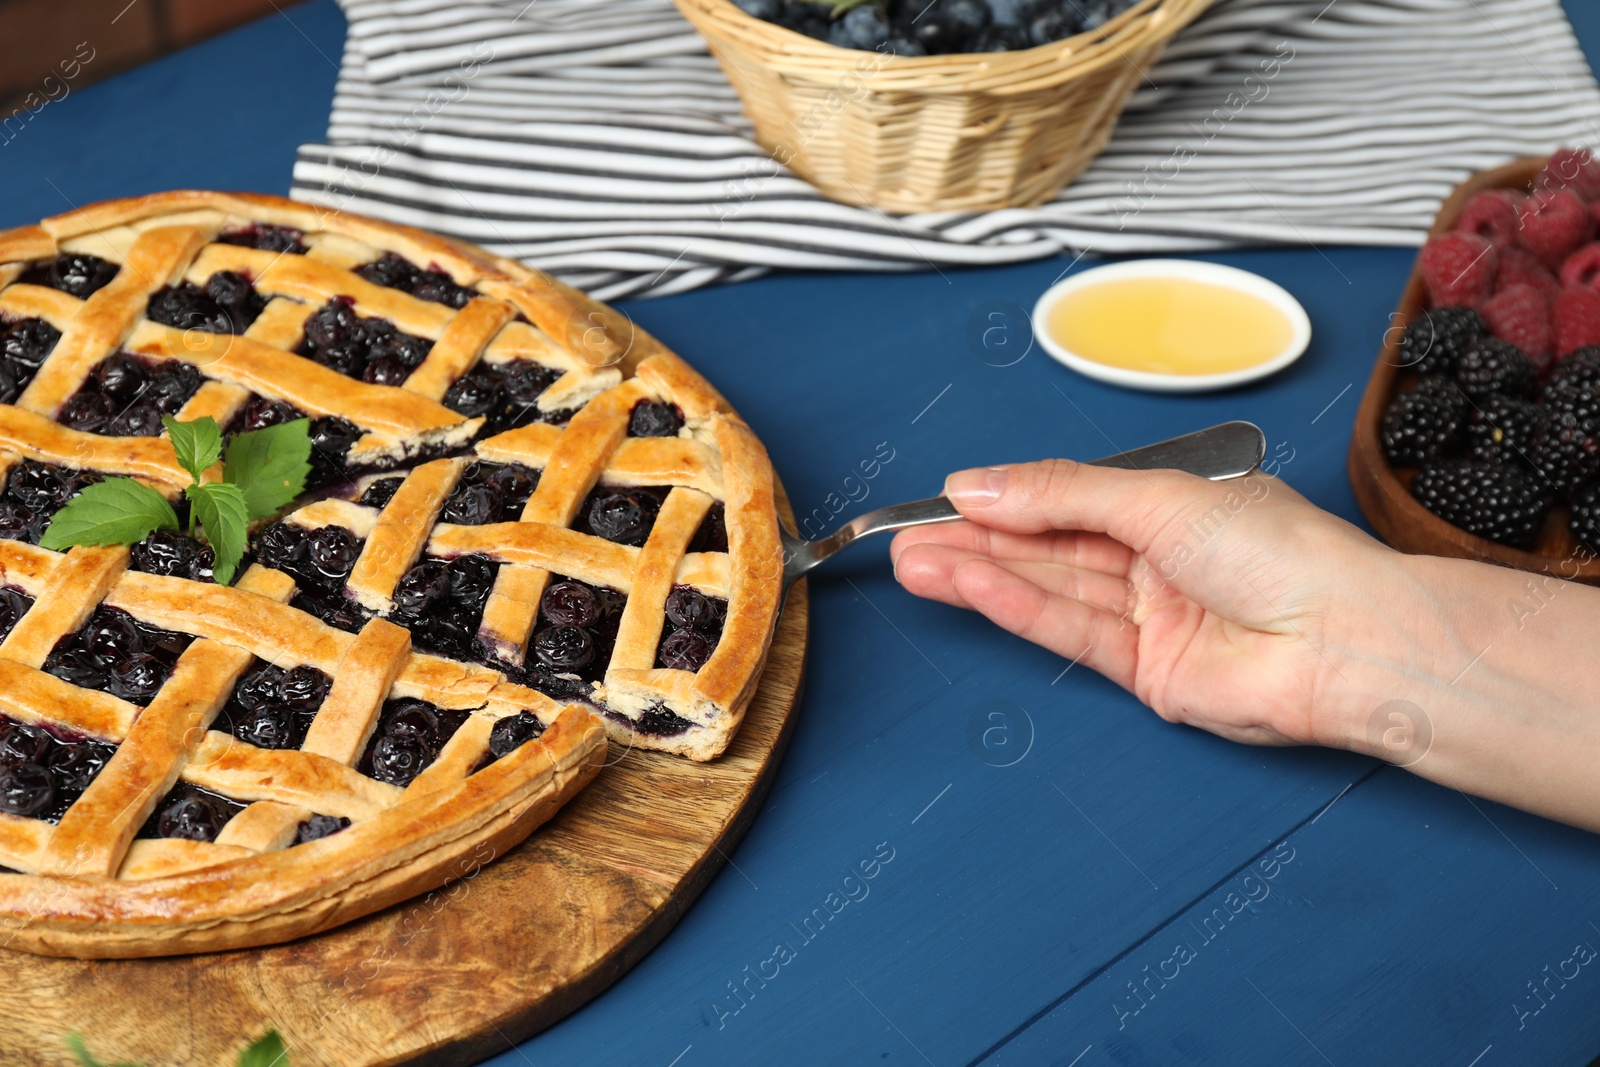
(1169, 325)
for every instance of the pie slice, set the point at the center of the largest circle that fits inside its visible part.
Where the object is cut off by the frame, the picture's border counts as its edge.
(628, 560)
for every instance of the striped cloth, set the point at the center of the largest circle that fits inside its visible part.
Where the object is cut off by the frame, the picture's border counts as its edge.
(598, 140)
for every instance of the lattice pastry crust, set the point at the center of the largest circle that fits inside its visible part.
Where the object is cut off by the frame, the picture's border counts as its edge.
(713, 462)
(168, 239)
(86, 886)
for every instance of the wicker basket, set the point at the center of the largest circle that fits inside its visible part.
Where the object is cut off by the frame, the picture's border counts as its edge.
(936, 133)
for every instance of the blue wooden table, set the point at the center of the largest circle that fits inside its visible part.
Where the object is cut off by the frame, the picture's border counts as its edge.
(1058, 877)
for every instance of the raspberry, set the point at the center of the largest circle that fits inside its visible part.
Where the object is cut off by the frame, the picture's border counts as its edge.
(1422, 424)
(1582, 268)
(1553, 224)
(1495, 366)
(1432, 342)
(1576, 320)
(1503, 504)
(1519, 314)
(1502, 430)
(1574, 169)
(1492, 215)
(1458, 268)
(1518, 266)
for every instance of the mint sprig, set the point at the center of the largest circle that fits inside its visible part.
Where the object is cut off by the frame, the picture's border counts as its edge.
(117, 511)
(270, 466)
(198, 443)
(263, 471)
(265, 1051)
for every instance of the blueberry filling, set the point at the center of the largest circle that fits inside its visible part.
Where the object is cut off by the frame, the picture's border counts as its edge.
(335, 609)
(319, 826)
(318, 560)
(395, 272)
(24, 344)
(173, 555)
(271, 707)
(227, 303)
(489, 492)
(34, 492)
(511, 733)
(572, 638)
(441, 603)
(372, 350)
(379, 493)
(712, 536)
(694, 625)
(191, 813)
(125, 396)
(653, 419)
(72, 273)
(117, 654)
(623, 515)
(506, 395)
(409, 736)
(14, 604)
(655, 722)
(44, 769)
(266, 238)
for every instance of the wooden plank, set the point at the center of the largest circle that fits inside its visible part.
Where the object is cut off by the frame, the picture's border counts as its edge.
(1471, 945)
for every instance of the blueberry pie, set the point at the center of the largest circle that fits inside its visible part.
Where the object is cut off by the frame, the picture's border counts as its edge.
(627, 560)
(532, 526)
(191, 767)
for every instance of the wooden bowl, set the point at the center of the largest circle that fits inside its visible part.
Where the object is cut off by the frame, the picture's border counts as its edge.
(1384, 492)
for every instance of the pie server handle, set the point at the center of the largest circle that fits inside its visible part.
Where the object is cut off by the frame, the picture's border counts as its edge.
(1228, 450)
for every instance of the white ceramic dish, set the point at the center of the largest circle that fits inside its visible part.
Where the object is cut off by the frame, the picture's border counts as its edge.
(1210, 273)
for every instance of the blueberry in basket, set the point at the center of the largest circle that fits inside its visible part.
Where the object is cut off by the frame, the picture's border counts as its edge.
(937, 27)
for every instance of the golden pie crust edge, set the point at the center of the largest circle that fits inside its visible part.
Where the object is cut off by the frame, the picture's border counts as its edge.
(411, 848)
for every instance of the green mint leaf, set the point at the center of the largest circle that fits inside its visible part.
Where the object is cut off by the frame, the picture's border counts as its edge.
(76, 1046)
(270, 466)
(117, 511)
(197, 443)
(266, 1051)
(222, 513)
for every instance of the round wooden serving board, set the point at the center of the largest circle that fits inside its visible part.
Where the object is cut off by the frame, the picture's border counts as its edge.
(1384, 492)
(461, 973)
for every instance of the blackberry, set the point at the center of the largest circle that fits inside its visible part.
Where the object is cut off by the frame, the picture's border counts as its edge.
(1585, 518)
(1502, 430)
(1490, 365)
(1581, 365)
(1567, 452)
(1433, 342)
(1423, 424)
(1503, 504)
(1572, 397)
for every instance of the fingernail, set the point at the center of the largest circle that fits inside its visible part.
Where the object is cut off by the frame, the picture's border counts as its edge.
(976, 486)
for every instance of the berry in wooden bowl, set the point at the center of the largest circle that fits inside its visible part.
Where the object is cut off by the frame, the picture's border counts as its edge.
(1479, 433)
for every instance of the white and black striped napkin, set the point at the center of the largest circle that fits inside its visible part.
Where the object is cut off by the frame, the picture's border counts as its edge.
(598, 140)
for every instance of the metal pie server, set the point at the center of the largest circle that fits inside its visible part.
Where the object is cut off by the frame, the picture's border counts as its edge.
(1228, 450)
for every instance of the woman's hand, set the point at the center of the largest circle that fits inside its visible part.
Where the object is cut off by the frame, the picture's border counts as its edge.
(1241, 608)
